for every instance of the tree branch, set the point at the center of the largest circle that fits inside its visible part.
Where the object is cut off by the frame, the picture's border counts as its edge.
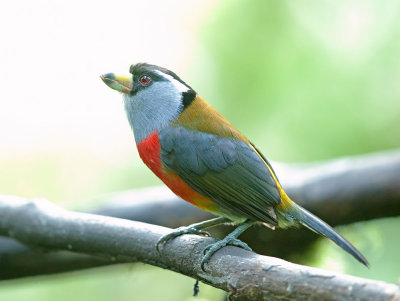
(339, 191)
(244, 275)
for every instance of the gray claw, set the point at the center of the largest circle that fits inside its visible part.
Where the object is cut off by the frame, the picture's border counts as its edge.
(178, 232)
(227, 241)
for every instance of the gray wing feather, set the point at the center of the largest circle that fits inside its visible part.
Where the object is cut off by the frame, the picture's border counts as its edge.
(226, 170)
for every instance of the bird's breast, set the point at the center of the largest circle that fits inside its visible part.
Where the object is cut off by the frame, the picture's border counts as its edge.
(149, 151)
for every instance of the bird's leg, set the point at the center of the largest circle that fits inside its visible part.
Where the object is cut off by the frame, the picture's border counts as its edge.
(231, 239)
(192, 229)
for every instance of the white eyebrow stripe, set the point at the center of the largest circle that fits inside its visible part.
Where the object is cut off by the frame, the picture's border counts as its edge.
(178, 85)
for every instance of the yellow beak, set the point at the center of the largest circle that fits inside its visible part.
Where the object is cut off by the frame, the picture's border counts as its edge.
(121, 83)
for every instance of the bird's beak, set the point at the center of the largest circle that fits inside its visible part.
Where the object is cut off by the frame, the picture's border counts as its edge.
(121, 83)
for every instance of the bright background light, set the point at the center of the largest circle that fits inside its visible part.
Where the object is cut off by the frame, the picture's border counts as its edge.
(56, 114)
(53, 52)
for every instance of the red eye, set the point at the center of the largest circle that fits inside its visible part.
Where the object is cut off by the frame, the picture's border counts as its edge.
(145, 80)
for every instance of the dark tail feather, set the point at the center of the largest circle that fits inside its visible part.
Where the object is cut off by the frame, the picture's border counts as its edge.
(317, 225)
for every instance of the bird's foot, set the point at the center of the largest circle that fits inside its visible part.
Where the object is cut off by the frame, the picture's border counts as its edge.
(178, 232)
(229, 240)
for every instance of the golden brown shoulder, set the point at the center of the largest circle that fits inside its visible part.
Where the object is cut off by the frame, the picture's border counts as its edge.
(199, 115)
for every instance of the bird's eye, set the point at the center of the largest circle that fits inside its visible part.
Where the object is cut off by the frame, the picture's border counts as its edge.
(145, 80)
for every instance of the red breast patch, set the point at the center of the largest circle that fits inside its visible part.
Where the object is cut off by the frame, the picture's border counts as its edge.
(149, 151)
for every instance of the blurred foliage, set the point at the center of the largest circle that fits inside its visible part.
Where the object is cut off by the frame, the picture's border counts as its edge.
(304, 80)
(71, 179)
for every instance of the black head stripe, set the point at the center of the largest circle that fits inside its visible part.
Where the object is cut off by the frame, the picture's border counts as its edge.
(151, 70)
(144, 68)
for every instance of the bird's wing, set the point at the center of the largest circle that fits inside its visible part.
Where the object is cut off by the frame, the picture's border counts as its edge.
(228, 171)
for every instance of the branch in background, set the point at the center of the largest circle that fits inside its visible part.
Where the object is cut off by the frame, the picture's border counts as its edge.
(244, 275)
(16, 260)
(339, 191)
(354, 189)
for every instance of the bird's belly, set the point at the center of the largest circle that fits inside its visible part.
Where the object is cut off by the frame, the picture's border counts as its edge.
(181, 189)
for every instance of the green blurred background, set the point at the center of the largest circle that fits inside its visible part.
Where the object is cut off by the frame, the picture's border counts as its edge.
(304, 80)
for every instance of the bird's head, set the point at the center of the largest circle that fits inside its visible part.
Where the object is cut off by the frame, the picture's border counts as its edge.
(153, 97)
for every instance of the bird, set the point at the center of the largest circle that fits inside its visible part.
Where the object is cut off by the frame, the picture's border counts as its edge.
(206, 161)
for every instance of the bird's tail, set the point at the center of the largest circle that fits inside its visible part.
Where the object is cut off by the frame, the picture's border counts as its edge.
(317, 225)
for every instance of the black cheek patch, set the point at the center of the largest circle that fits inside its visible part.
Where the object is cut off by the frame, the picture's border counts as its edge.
(188, 97)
